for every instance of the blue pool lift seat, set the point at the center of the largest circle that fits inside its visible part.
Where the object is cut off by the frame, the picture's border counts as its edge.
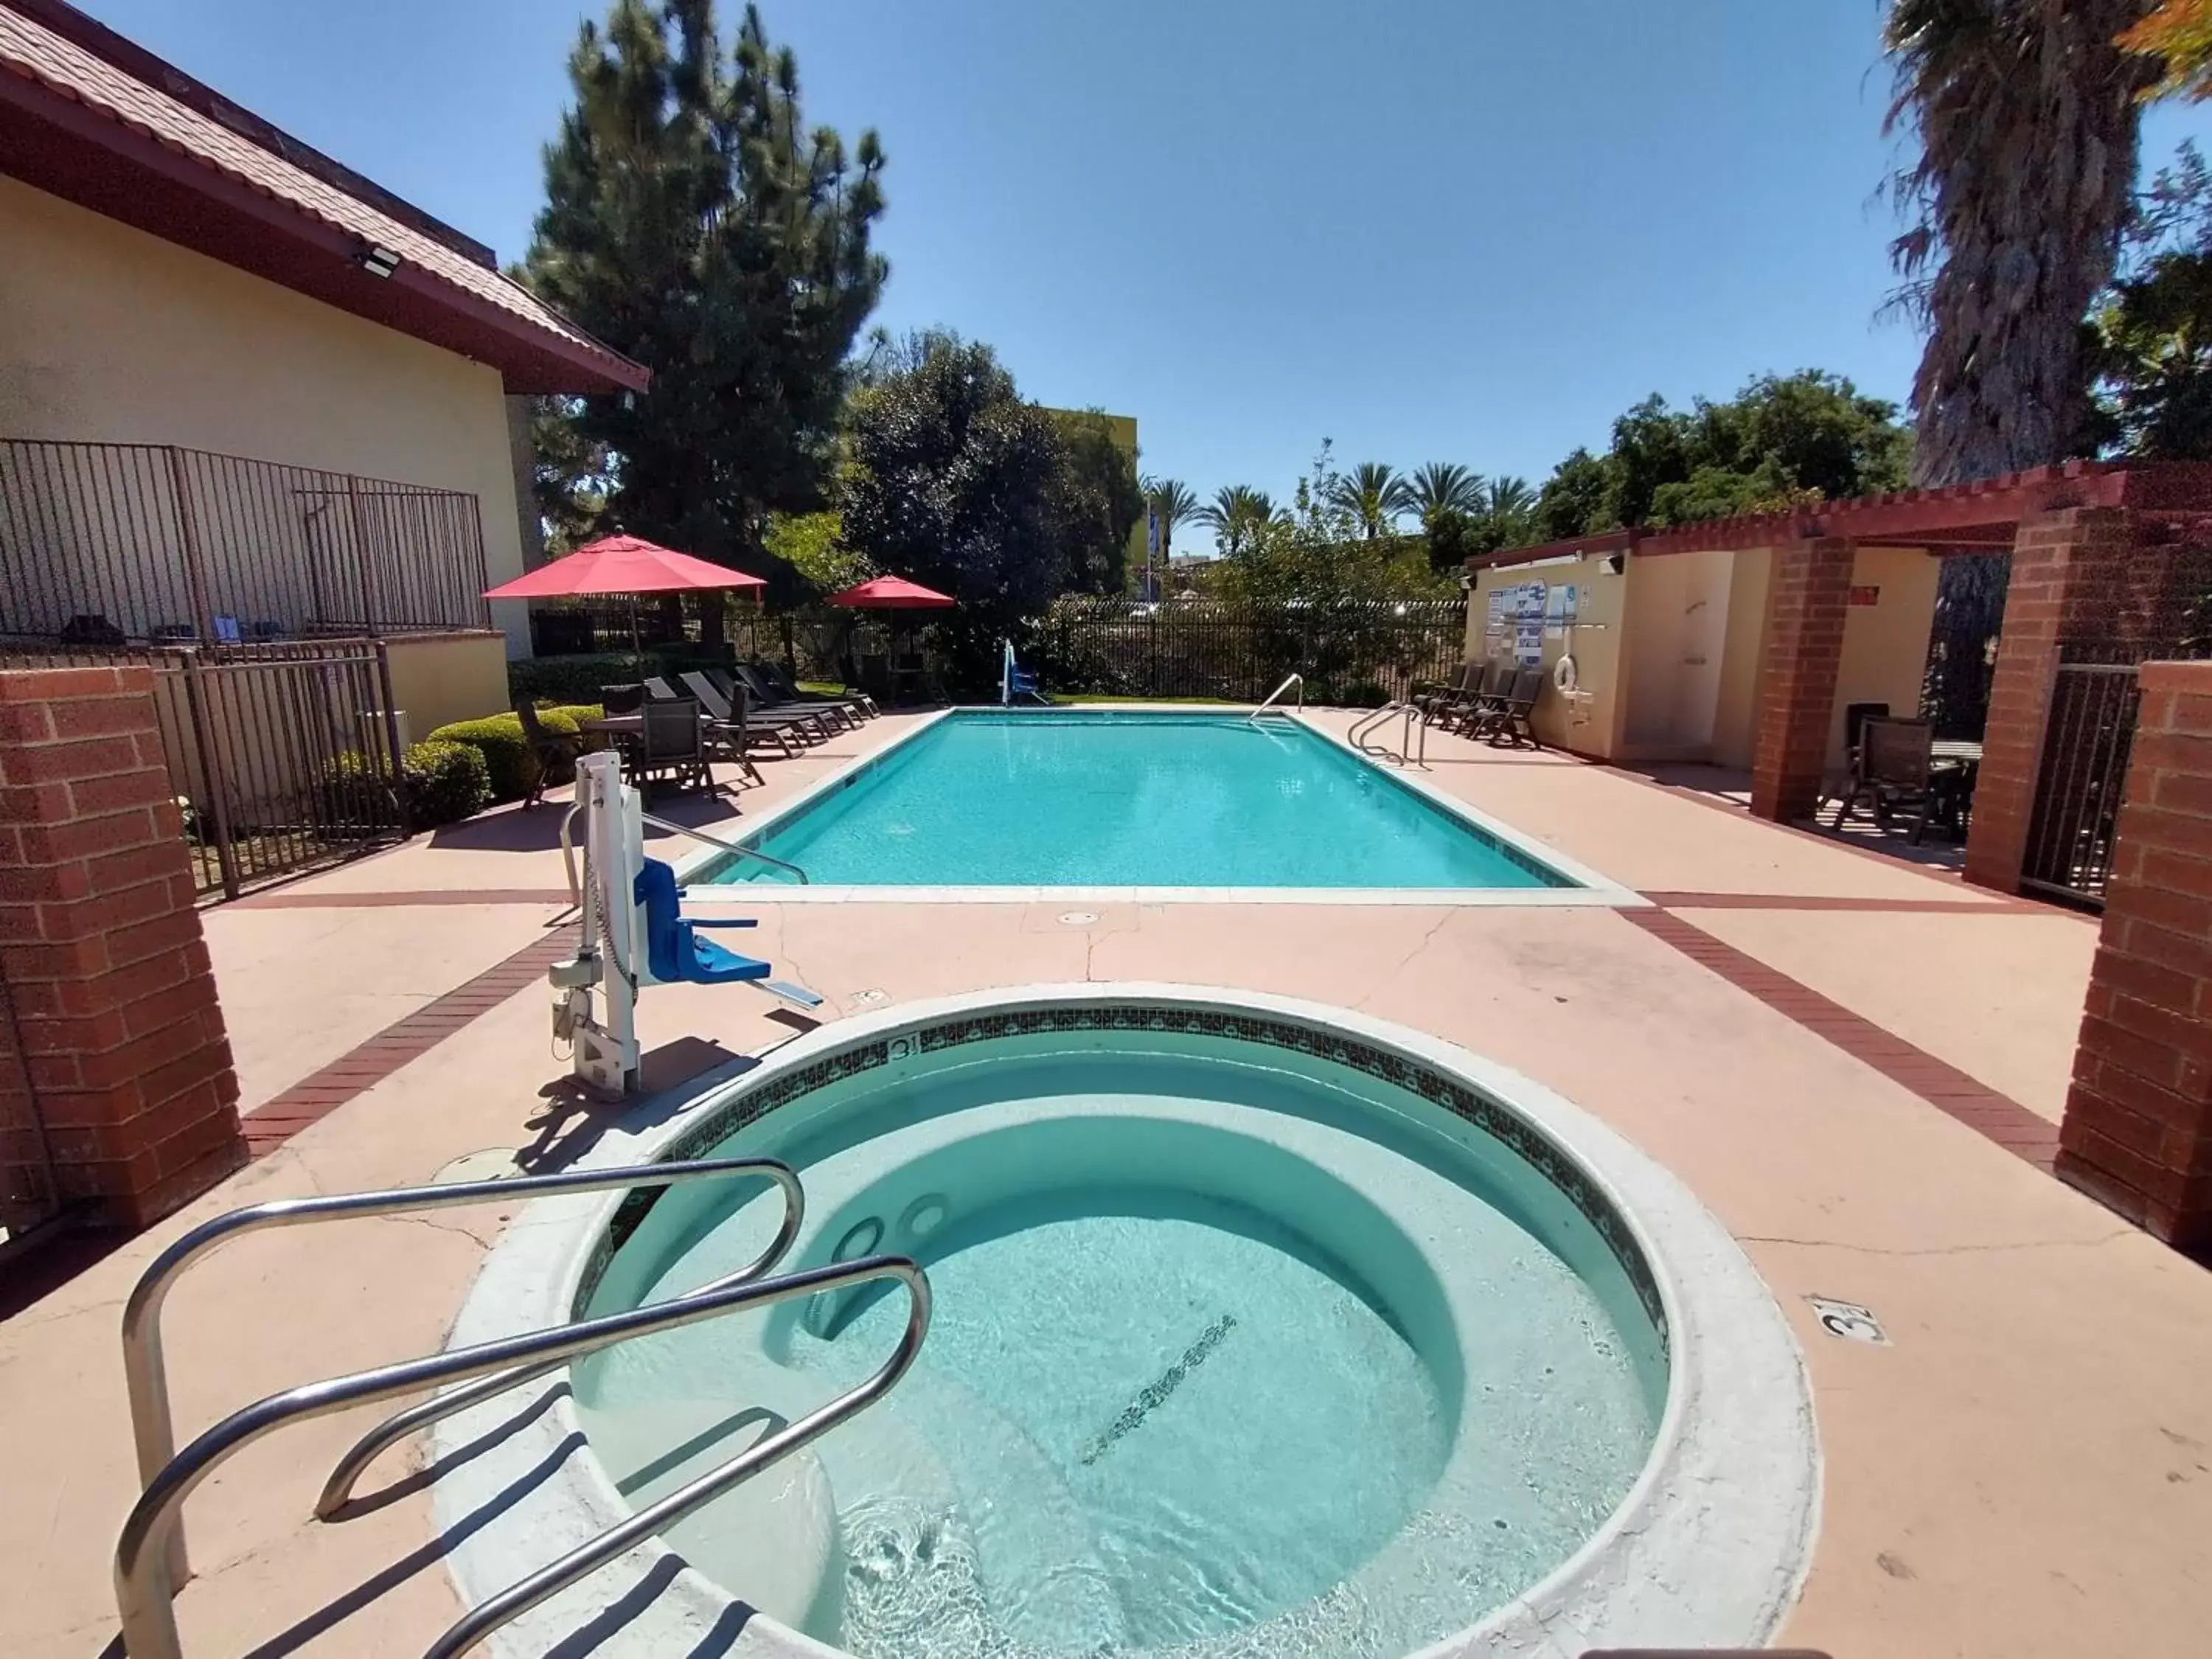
(1019, 682)
(673, 948)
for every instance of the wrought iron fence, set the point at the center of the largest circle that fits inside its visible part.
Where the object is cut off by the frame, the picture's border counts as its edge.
(116, 546)
(1367, 653)
(2086, 746)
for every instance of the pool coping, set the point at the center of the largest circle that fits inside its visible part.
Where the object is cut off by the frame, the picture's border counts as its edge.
(1710, 1548)
(1592, 889)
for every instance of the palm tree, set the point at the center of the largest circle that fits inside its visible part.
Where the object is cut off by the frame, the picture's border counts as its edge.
(1509, 505)
(1172, 503)
(1373, 494)
(1443, 487)
(1236, 514)
(2027, 119)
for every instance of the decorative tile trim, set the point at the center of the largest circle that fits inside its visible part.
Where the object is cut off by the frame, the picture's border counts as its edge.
(1492, 1117)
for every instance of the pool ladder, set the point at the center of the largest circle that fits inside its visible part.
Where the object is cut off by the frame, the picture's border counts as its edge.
(1270, 707)
(1361, 736)
(150, 1563)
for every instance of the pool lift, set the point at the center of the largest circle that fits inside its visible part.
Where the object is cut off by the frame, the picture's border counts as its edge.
(1015, 683)
(634, 933)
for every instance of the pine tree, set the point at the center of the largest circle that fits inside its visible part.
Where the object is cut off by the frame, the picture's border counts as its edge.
(694, 224)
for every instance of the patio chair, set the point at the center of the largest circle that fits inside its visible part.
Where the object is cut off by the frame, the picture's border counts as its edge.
(1432, 695)
(1506, 716)
(735, 725)
(1895, 774)
(1480, 697)
(1856, 716)
(832, 715)
(621, 699)
(552, 751)
(673, 748)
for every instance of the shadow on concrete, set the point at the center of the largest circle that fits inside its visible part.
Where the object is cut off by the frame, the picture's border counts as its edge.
(577, 1117)
(519, 828)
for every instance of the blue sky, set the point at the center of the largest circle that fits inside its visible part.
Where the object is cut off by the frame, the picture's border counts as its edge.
(1427, 229)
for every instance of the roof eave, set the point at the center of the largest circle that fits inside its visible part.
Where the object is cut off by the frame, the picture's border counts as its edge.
(84, 156)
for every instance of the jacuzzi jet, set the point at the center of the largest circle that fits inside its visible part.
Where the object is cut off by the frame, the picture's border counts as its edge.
(1157, 1392)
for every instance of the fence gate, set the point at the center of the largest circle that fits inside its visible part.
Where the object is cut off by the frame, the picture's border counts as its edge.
(2085, 767)
(283, 756)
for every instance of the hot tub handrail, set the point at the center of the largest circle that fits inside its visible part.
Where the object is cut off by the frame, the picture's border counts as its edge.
(738, 847)
(547, 1582)
(142, 1589)
(145, 1372)
(1298, 680)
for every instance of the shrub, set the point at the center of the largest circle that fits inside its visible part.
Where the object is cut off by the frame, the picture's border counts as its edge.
(498, 737)
(446, 782)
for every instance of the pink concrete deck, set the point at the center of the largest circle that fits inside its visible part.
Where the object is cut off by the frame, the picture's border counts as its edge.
(2028, 1468)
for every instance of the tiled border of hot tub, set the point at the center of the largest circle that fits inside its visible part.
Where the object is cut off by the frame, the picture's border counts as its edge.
(1710, 1548)
(747, 1102)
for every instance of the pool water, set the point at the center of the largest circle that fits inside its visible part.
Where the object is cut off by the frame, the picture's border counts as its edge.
(1229, 1358)
(1132, 799)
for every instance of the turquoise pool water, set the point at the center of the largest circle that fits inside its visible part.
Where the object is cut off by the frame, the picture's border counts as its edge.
(1090, 799)
(1232, 1357)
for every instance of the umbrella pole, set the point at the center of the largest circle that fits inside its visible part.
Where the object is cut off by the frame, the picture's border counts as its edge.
(636, 651)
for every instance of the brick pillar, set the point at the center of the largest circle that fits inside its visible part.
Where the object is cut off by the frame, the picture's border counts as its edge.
(106, 973)
(1805, 608)
(2078, 574)
(2137, 1133)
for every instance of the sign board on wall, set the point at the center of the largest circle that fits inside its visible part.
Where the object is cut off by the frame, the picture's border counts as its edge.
(1529, 641)
(1869, 595)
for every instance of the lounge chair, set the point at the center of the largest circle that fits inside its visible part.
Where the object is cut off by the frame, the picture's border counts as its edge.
(1507, 715)
(1462, 710)
(1432, 695)
(829, 718)
(553, 752)
(777, 681)
(740, 727)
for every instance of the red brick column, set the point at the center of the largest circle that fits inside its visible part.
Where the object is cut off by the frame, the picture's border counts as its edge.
(1806, 609)
(106, 971)
(2137, 1133)
(2078, 573)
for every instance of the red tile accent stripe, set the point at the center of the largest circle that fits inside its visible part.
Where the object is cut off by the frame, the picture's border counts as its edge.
(1997, 1117)
(1993, 906)
(367, 1064)
(327, 901)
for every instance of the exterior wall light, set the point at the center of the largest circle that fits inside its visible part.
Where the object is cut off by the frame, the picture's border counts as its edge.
(376, 259)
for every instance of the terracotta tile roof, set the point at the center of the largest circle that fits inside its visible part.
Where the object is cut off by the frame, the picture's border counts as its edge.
(30, 49)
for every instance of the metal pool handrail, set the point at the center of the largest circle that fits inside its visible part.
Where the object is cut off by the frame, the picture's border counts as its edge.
(1404, 754)
(152, 1431)
(738, 847)
(143, 1593)
(1298, 680)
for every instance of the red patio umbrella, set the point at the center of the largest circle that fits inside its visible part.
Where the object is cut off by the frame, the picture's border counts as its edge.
(621, 564)
(892, 593)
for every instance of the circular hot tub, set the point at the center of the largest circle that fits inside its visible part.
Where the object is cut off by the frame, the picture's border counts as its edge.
(1259, 1328)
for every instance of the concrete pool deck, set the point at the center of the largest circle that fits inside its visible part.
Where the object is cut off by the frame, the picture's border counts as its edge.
(1854, 1061)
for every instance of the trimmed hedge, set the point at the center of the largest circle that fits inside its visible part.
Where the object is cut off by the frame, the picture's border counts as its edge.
(508, 763)
(445, 783)
(570, 680)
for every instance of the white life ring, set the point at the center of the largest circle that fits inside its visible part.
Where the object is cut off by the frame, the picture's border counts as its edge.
(1562, 674)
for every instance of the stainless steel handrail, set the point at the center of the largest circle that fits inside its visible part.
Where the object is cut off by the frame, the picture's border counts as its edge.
(738, 847)
(549, 1581)
(1410, 717)
(569, 853)
(1298, 680)
(146, 1373)
(142, 1589)
(1357, 735)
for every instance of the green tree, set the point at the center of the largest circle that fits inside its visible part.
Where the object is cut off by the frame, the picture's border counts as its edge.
(953, 481)
(1443, 487)
(2027, 117)
(695, 223)
(571, 474)
(1373, 494)
(813, 544)
(1100, 502)
(1508, 514)
(1237, 513)
(1575, 500)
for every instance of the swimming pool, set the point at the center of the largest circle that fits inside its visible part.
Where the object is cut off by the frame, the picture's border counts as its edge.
(1259, 1330)
(1140, 800)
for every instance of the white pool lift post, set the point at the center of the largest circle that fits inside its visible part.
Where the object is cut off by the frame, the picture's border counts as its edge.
(595, 1010)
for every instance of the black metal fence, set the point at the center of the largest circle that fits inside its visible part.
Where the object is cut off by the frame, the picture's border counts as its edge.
(1364, 653)
(113, 546)
(2086, 747)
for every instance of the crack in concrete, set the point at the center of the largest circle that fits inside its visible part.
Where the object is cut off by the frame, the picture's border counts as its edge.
(457, 1231)
(1941, 1250)
(1427, 939)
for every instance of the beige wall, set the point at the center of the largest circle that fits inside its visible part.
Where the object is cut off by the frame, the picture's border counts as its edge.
(1735, 721)
(1589, 722)
(109, 334)
(1886, 643)
(439, 679)
(1673, 643)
